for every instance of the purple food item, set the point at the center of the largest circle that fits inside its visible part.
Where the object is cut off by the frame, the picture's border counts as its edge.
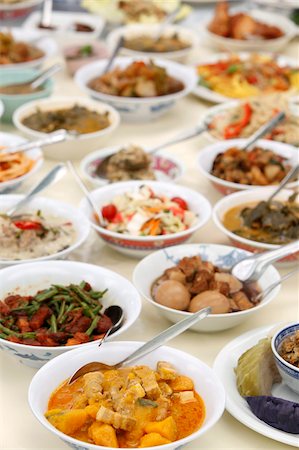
(276, 412)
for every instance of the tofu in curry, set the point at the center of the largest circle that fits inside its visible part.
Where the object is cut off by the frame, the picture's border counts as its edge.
(131, 407)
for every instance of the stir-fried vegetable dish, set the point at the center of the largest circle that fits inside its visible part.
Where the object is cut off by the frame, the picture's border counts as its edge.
(243, 120)
(255, 167)
(194, 284)
(143, 213)
(238, 77)
(14, 52)
(273, 223)
(131, 407)
(146, 43)
(77, 118)
(138, 79)
(59, 315)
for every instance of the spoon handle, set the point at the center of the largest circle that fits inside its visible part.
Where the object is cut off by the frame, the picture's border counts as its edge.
(291, 174)
(116, 49)
(50, 178)
(46, 18)
(168, 20)
(85, 190)
(254, 266)
(182, 137)
(56, 136)
(264, 130)
(166, 335)
(270, 288)
(40, 79)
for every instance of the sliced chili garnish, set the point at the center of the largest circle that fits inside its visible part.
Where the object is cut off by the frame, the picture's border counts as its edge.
(27, 225)
(234, 129)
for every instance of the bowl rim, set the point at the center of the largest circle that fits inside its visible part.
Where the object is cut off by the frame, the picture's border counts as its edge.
(219, 407)
(79, 239)
(127, 184)
(149, 28)
(190, 71)
(107, 151)
(185, 314)
(226, 143)
(288, 28)
(89, 103)
(219, 206)
(274, 347)
(104, 270)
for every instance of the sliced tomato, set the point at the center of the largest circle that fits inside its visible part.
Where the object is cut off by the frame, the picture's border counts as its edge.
(109, 212)
(181, 202)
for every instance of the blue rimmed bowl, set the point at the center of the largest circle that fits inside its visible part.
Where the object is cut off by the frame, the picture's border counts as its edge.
(289, 373)
(12, 102)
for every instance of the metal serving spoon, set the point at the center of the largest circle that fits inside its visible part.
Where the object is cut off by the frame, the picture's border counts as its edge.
(46, 17)
(291, 174)
(266, 292)
(52, 138)
(116, 314)
(116, 49)
(264, 129)
(148, 347)
(168, 20)
(86, 192)
(54, 175)
(35, 82)
(253, 267)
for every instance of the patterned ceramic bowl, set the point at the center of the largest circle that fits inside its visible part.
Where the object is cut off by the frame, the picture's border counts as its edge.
(135, 109)
(243, 198)
(30, 278)
(153, 266)
(208, 154)
(289, 373)
(139, 246)
(165, 166)
(52, 374)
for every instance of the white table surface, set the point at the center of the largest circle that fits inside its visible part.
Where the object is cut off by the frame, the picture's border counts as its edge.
(19, 430)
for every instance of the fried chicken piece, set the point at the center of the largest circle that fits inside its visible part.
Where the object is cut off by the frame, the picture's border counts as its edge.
(220, 23)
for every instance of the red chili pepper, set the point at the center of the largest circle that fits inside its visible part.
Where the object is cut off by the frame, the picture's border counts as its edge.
(181, 202)
(109, 212)
(252, 79)
(234, 129)
(27, 225)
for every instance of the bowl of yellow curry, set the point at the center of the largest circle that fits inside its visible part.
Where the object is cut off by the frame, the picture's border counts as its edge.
(166, 399)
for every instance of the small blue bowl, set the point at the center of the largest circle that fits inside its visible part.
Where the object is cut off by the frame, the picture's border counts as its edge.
(289, 373)
(12, 102)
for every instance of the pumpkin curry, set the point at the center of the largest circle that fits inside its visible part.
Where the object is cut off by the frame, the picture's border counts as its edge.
(128, 407)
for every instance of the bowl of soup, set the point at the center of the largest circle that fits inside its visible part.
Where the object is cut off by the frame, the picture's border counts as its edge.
(88, 123)
(170, 432)
(175, 43)
(14, 97)
(270, 226)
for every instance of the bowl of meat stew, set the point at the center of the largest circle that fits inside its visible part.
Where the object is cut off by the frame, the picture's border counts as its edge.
(141, 89)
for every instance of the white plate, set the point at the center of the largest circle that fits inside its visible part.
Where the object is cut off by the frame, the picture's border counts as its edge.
(214, 97)
(282, 4)
(224, 365)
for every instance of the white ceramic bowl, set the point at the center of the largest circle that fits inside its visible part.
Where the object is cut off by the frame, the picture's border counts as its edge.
(153, 266)
(243, 198)
(52, 374)
(30, 278)
(52, 208)
(165, 166)
(8, 140)
(213, 96)
(207, 156)
(1, 108)
(46, 44)
(15, 11)
(256, 44)
(72, 148)
(289, 373)
(138, 109)
(139, 246)
(64, 21)
(134, 30)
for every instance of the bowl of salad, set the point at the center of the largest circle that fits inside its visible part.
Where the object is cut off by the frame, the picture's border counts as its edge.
(140, 217)
(140, 88)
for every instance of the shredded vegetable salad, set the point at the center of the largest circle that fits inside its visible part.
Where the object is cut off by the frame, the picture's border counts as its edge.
(143, 213)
